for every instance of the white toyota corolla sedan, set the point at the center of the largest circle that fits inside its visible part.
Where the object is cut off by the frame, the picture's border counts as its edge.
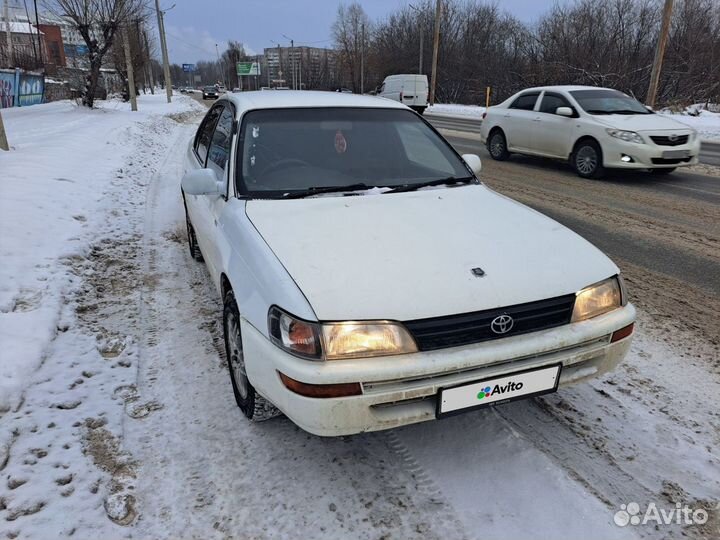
(370, 280)
(593, 128)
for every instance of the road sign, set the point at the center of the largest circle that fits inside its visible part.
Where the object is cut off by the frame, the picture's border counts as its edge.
(188, 68)
(248, 68)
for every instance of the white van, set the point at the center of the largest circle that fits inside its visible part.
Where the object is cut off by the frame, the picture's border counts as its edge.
(409, 89)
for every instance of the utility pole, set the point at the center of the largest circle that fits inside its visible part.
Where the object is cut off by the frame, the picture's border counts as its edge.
(292, 52)
(163, 46)
(8, 35)
(436, 46)
(362, 59)
(37, 25)
(659, 54)
(422, 45)
(129, 66)
(3, 138)
(422, 35)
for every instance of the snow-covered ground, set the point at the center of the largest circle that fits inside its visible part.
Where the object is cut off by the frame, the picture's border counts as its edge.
(120, 422)
(706, 123)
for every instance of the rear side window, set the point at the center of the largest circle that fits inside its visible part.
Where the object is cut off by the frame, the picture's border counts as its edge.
(204, 135)
(526, 102)
(550, 102)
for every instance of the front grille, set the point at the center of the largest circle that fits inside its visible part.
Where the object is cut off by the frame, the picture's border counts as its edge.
(467, 328)
(662, 140)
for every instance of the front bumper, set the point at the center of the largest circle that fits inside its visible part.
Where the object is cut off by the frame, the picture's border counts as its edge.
(403, 389)
(647, 156)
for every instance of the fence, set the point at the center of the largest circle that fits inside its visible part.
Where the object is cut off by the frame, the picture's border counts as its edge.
(19, 88)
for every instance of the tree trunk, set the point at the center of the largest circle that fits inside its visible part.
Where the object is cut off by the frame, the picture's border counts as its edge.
(92, 78)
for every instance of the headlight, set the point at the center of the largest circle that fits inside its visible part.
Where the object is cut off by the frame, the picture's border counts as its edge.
(693, 135)
(598, 299)
(356, 340)
(627, 136)
(339, 340)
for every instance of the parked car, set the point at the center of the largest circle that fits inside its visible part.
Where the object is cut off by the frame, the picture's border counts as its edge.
(593, 128)
(210, 92)
(371, 281)
(410, 90)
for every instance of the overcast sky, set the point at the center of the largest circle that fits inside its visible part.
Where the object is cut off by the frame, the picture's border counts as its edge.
(193, 27)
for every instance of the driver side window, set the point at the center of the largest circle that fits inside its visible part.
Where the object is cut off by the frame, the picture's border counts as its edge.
(204, 135)
(219, 152)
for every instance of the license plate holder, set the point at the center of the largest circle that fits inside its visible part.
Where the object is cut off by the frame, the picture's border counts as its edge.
(503, 389)
(675, 154)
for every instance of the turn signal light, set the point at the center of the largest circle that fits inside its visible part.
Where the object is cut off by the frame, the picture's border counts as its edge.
(622, 333)
(321, 390)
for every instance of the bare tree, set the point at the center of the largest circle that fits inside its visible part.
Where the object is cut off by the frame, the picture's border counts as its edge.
(97, 22)
(350, 39)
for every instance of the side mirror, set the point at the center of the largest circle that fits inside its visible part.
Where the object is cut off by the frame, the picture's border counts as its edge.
(564, 111)
(200, 182)
(473, 161)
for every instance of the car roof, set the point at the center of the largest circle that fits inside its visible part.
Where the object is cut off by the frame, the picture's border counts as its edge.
(565, 87)
(287, 99)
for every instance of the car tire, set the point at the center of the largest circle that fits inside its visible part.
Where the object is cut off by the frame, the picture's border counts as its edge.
(587, 159)
(661, 172)
(193, 246)
(255, 407)
(497, 146)
(419, 110)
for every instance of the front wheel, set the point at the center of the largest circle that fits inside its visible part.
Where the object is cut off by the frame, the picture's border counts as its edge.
(254, 406)
(587, 160)
(661, 172)
(497, 146)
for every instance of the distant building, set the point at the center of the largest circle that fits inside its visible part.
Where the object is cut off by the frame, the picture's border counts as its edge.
(28, 46)
(309, 68)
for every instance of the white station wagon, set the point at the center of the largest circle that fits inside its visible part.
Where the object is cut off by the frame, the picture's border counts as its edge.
(593, 128)
(371, 281)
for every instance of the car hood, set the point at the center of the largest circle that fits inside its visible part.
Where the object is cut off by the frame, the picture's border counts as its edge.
(643, 122)
(410, 255)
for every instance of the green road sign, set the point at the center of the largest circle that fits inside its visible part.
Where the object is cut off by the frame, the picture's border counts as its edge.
(248, 68)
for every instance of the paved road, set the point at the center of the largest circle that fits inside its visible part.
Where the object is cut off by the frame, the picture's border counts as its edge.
(709, 151)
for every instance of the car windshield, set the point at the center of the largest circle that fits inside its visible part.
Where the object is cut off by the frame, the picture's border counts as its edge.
(608, 102)
(209, 88)
(286, 151)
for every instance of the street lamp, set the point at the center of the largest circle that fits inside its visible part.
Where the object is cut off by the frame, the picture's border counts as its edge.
(163, 46)
(292, 53)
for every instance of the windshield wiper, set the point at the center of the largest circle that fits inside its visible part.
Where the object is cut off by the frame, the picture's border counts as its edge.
(309, 192)
(438, 182)
(597, 111)
(627, 111)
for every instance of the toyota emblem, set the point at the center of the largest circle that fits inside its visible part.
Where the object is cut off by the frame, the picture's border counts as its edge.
(502, 324)
(673, 137)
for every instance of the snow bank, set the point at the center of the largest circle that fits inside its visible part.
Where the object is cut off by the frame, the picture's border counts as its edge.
(452, 109)
(52, 186)
(706, 123)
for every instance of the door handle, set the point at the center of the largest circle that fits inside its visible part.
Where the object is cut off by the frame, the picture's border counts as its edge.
(536, 119)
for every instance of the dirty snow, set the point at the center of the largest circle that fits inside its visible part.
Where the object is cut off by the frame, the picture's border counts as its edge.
(128, 427)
